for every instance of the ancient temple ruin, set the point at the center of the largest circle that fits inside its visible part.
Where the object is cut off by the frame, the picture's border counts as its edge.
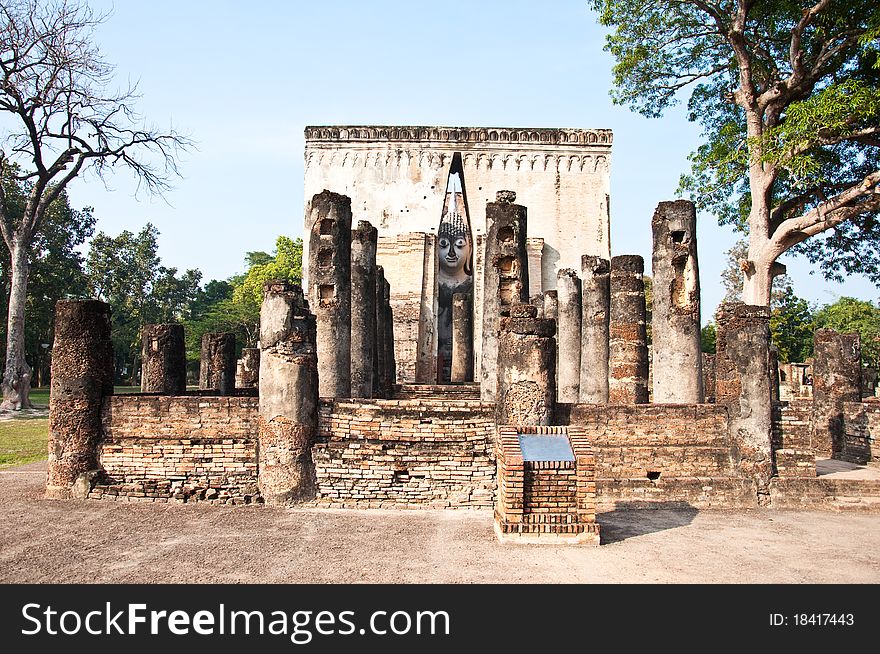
(398, 179)
(464, 339)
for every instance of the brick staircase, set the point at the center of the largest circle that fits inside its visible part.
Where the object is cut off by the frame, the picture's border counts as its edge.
(822, 493)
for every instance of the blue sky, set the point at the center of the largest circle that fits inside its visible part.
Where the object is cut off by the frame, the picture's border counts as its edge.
(244, 79)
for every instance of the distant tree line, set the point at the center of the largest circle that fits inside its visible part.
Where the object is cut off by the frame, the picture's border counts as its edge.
(127, 272)
(793, 320)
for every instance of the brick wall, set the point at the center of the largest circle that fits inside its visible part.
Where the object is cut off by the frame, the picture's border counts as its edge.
(549, 487)
(658, 440)
(663, 455)
(406, 453)
(793, 455)
(791, 424)
(424, 452)
(861, 421)
(183, 448)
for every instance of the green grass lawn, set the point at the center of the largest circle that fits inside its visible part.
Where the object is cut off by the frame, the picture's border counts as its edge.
(23, 440)
(40, 396)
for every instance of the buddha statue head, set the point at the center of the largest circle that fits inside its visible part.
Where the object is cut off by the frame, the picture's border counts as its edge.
(454, 250)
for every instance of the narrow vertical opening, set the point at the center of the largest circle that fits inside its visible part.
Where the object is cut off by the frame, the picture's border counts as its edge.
(680, 290)
(455, 267)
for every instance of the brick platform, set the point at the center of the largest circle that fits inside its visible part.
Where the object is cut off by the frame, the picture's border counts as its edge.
(545, 501)
(415, 453)
(861, 430)
(178, 448)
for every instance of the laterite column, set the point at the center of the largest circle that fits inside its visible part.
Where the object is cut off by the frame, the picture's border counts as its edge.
(328, 217)
(505, 279)
(288, 395)
(82, 375)
(163, 354)
(217, 369)
(568, 336)
(363, 309)
(837, 378)
(595, 313)
(675, 321)
(742, 383)
(526, 368)
(462, 338)
(628, 339)
(380, 365)
(248, 373)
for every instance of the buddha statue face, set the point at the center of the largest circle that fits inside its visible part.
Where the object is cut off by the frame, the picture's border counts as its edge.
(454, 252)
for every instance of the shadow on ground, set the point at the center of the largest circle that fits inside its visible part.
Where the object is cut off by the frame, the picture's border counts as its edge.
(631, 519)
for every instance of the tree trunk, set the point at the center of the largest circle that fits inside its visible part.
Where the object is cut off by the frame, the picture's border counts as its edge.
(758, 283)
(17, 375)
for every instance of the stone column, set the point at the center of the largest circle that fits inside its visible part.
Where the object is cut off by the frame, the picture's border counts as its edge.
(628, 339)
(837, 378)
(163, 354)
(426, 352)
(82, 375)
(568, 336)
(462, 338)
(479, 278)
(328, 218)
(675, 321)
(388, 347)
(526, 368)
(596, 311)
(535, 254)
(505, 279)
(217, 367)
(248, 368)
(363, 308)
(742, 383)
(380, 372)
(288, 421)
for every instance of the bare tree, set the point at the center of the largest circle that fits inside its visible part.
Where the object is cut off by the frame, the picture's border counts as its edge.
(59, 118)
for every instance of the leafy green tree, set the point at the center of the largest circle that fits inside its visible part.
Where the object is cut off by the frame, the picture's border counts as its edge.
(791, 327)
(788, 94)
(234, 305)
(207, 298)
(60, 118)
(285, 264)
(852, 315)
(708, 338)
(56, 272)
(126, 272)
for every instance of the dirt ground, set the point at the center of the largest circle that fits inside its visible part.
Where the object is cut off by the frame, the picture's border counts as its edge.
(110, 542)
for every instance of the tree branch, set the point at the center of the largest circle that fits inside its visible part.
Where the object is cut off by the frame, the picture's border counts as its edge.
(859, 198)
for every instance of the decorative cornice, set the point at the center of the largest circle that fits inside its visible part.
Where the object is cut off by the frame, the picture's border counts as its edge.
(433, 158)
(464, 135)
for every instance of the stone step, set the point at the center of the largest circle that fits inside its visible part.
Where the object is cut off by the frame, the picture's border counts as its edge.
(820, 493)
(437, 391)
